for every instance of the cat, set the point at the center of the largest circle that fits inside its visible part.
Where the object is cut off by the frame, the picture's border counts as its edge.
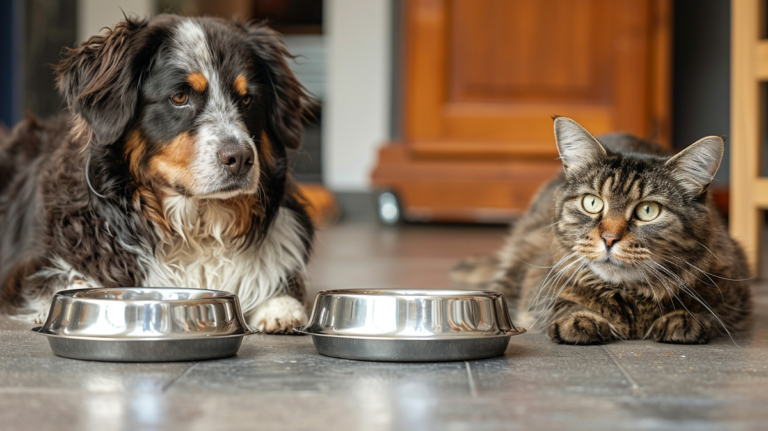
(625, 243)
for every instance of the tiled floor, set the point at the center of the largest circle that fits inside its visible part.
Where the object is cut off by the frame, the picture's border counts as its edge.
(280, 383)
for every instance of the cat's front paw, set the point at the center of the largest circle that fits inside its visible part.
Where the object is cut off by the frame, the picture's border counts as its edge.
(581, 328)
(279, 315)
(681, 327)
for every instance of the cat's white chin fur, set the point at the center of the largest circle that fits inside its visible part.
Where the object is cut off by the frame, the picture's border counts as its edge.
(615, 274)
(279, 315)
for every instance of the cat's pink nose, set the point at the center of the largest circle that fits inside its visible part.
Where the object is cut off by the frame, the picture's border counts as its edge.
(610, 238)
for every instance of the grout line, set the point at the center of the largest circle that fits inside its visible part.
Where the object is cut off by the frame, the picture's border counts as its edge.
(472, 388)
(623, 370)
(169, 384)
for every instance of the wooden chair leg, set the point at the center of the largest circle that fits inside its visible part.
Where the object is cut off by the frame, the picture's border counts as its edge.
(749, 69)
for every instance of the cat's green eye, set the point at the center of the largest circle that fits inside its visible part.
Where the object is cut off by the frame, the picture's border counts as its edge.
(647, 211)
(592, 204)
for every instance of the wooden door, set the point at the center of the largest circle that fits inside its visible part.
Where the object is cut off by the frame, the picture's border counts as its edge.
(482, 79)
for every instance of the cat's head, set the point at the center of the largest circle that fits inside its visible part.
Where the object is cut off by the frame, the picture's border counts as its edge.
(624, 212)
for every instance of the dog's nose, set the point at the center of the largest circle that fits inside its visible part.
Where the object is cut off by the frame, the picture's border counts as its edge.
(610, 239)
(236, 158)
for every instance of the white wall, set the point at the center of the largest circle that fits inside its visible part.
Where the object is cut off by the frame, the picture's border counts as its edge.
(356, 109)
(93, 15)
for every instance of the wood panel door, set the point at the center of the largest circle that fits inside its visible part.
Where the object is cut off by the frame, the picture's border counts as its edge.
(482, 79)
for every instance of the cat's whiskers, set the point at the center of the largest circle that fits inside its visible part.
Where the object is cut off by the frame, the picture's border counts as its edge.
(707, 248)
(548, 286)
(694, 275)
(632, 254)
(709, 274)
(535, 266)
(562, 261)
(706, 274)
(546, 311)
(554, 282)
(587, 249)
(658, 302)
(655, 273)
(553, 302)
(672, 291)
(535, 301)
(686, 288)
(678, 282)
(550, 225)
(653, 291)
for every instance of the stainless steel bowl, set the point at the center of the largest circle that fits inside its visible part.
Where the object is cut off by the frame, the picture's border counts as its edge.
(410, 325)
(136, 324)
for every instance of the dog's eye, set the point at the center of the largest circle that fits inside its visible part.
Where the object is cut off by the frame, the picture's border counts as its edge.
(246, 100)
(179, 98)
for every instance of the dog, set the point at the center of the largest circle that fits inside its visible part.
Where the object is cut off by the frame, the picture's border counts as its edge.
(169, 170)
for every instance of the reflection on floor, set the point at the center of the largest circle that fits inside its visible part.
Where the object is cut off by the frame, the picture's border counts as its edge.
(279, 382)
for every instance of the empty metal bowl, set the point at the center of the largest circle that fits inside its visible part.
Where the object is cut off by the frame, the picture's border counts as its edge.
(137, 324)
(410, 325)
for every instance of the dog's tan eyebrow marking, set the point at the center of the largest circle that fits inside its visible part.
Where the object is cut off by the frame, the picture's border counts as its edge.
(240, 85)
(197, 81)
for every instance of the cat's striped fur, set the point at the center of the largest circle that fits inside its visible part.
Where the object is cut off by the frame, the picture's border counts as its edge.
(596, 277)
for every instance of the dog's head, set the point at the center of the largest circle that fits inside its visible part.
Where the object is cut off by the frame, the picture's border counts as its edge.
(197, 107)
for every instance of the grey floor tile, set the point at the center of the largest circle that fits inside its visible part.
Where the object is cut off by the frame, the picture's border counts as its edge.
(538, 366)
(288, 365)
(27, 365)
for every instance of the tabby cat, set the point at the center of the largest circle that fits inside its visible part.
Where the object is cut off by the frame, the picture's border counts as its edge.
(624, 244)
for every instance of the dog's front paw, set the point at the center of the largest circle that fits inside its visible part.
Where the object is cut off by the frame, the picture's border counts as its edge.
(36, 318)
(40, 318)
(681, 327)
(279, 315)
(581, 328)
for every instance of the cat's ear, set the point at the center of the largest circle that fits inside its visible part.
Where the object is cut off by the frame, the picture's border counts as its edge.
(576, 146)
(696, 166)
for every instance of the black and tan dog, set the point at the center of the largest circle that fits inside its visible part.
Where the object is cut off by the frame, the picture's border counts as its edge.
(170, 171)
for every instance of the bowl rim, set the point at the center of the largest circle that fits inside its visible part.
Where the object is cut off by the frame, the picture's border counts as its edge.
(413, 293)
(220, 295)
(167, 337)
(465, 335)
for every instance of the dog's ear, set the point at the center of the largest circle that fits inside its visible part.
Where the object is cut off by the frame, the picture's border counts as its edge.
(290, 100)
(100, 79)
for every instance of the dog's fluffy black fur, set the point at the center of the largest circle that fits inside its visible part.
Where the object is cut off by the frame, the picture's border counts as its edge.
(186, 122)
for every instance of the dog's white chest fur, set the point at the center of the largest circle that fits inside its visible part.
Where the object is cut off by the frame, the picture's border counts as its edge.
(198, 257)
